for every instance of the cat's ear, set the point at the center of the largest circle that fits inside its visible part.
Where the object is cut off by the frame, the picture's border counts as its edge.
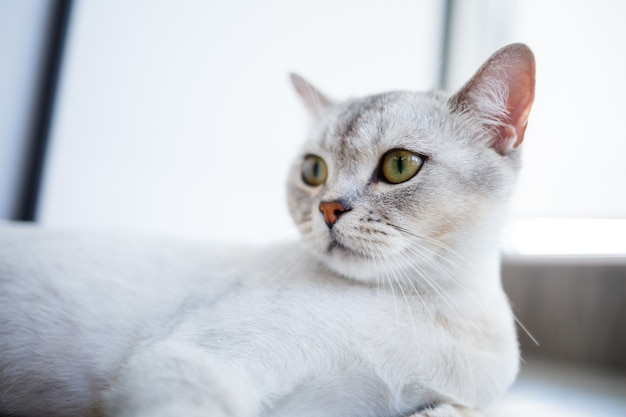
(502, 93)
(313, 99)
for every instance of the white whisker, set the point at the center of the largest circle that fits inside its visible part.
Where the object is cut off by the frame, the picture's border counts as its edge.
(417, 293)
(434, 259)
(406, 300)
(386, 275)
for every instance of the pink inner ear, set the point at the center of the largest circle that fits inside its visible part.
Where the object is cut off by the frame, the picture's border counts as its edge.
(515, 65)
(520, 100)
(511, 70)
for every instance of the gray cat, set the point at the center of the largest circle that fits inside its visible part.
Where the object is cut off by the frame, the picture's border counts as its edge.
(390, 305)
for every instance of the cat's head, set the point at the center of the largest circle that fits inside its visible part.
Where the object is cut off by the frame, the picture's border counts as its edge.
(386, 181)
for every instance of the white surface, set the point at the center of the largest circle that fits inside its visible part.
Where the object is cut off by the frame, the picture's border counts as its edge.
(178, 118)
(571, 237)
(552, 389)
(22, 29)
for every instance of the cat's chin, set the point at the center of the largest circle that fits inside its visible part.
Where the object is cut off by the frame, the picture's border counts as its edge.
(353, 264)
(358, 271)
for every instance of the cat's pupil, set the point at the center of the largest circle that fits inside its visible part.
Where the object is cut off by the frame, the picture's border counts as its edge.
(316, 169)
(400, 164)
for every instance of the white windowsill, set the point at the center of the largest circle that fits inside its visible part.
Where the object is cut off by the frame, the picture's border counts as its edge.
(571, 240)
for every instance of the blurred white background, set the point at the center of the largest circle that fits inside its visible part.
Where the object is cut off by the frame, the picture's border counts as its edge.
(177, 117)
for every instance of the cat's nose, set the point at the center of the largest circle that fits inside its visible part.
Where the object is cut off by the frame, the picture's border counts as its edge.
(332, 210)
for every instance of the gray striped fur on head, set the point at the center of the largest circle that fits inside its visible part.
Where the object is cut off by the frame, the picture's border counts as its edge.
(462, 189)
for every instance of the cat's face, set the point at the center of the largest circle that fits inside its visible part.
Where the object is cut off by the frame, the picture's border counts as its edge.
(386, 181)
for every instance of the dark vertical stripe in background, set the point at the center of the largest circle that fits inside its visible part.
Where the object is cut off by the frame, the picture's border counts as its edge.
(57, 30)
(43, 110)
(446, 40)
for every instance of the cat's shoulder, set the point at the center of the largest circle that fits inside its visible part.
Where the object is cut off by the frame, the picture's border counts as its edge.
(27, 248)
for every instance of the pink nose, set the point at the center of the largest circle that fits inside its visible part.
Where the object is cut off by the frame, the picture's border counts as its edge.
(332, 210)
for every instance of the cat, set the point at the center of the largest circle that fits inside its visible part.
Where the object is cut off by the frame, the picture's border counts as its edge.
(390, 304)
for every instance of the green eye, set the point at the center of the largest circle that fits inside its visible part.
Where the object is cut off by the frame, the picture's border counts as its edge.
(399, 166)
(314, 171)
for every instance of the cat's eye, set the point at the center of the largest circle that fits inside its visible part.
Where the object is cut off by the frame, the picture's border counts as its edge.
(314, 170)
(400, 165)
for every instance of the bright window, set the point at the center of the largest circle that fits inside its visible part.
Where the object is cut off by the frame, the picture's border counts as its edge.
(178, 117)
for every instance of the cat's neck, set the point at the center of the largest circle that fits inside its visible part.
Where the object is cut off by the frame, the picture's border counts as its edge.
(466, 262)
(482, 251)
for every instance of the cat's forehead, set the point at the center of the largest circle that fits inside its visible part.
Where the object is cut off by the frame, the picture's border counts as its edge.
(377, 123)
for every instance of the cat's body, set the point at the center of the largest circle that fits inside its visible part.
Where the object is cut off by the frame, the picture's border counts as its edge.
(390, 306)
(314, 342)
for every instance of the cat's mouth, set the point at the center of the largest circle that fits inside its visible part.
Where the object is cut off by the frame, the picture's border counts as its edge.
(351, 261)
(336, 246)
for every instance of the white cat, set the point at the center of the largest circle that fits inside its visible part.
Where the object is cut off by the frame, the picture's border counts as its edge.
(390, 306)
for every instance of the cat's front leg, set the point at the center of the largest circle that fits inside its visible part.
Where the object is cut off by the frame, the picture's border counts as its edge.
(447, 410)
(174, 379)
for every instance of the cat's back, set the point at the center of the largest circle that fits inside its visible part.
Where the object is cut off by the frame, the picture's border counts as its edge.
(102, 279)
(91, 270)
(73, 305)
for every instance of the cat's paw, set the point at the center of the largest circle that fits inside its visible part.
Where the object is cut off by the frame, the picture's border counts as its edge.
(447, 410)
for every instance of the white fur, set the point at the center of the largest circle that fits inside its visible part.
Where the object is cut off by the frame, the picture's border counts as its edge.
(406, 317)
(162, 330)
